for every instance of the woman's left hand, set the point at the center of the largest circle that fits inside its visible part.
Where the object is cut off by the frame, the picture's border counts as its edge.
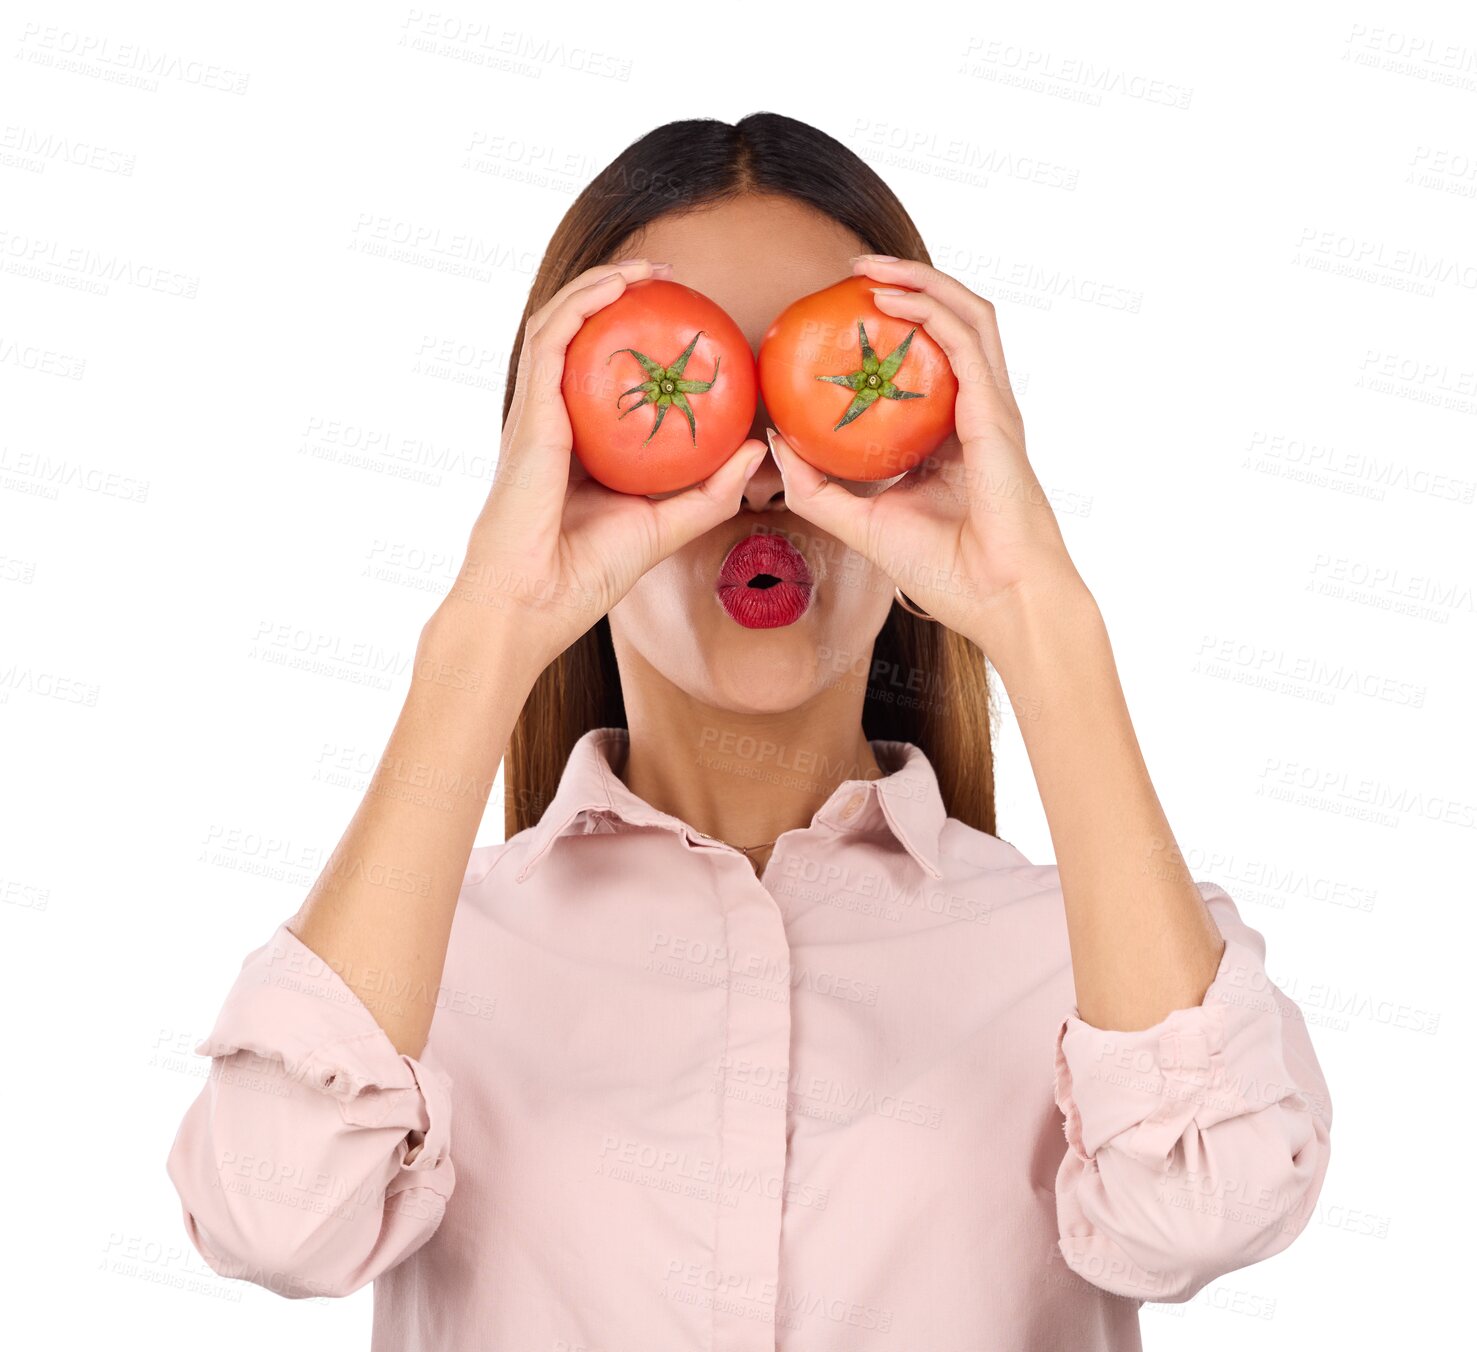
(968, 534)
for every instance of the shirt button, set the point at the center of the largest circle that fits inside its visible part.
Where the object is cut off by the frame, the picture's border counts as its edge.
(853, 806)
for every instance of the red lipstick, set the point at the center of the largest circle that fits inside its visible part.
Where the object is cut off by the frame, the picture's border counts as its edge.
(764, 582)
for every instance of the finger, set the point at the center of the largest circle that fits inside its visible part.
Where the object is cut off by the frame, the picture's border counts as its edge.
(959, 338)
(686, 515)
(810, 495)
(976, 310)
(572, 304)
(632, 269)
(922, 277)
(538, 436)
(960, 341)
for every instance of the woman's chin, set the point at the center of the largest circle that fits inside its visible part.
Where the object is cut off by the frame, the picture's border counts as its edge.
(767, 676)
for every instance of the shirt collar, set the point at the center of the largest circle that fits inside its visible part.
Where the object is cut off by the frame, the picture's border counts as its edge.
(592, 797)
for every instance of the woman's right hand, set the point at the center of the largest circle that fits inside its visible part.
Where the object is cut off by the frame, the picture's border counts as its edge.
(553, 550)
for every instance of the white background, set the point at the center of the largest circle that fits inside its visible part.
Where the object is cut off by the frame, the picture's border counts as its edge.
(1235, 263)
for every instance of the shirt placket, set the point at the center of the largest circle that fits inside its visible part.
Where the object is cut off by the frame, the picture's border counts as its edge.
(753, 1092)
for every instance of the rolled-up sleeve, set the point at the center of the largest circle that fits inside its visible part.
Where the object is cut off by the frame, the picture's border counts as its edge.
(1196, 1146)
(316, 1156)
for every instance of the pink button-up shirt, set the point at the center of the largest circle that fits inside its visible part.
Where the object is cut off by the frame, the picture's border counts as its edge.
(666, 1104)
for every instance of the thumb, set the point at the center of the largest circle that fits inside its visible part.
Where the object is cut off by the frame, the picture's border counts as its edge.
(688, 514)
(808, 493)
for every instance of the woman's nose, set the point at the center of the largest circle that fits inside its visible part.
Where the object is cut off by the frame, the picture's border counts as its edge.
(765, 490)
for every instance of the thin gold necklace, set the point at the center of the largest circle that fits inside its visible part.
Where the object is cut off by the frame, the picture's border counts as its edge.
(744, 849)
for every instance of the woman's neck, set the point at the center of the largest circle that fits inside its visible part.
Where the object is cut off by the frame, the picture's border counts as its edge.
(743, 778)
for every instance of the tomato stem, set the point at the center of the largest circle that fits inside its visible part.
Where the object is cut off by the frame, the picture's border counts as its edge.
(666, 387)
(873, 379)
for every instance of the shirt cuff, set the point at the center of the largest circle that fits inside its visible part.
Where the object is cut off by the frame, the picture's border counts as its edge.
(1141, 1090)
(288, 1005)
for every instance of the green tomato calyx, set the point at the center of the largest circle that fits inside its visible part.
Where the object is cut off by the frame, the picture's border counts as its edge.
(665, 387)
(873, 379)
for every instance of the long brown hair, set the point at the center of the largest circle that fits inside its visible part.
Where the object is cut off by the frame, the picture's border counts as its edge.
(926, 684)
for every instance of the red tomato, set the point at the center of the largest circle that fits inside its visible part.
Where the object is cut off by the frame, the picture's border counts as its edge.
(857, 393)
(660, 388)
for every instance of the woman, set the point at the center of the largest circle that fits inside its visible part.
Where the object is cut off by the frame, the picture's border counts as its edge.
(753, 1034)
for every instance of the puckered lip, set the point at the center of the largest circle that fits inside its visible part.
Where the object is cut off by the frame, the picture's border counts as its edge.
(762, 552)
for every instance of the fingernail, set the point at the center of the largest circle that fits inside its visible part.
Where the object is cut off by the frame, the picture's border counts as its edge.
(754, 462)
(770, 434)
(888, 291)
(877, 258)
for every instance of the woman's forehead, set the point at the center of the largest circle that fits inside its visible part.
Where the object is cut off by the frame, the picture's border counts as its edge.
(752, 255)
